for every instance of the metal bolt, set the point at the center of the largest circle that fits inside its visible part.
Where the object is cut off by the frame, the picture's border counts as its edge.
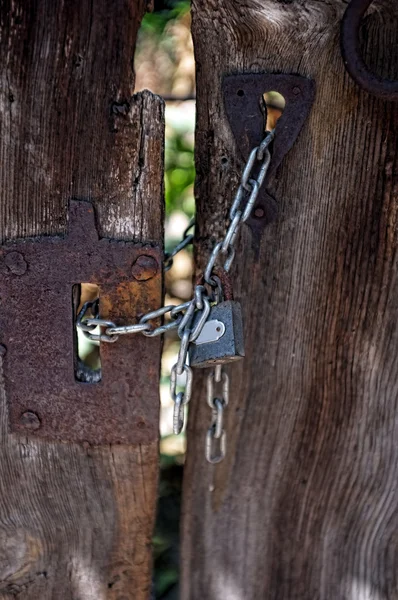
(3, 350)
(144, 268)
(259, 212)
(120, 108)
(16, 263)
(30, 420)
(296, 90)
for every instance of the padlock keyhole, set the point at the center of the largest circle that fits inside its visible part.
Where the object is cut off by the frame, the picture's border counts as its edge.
(87, 358)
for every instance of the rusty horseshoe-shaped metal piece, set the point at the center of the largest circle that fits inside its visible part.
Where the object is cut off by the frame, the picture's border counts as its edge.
(353, 61)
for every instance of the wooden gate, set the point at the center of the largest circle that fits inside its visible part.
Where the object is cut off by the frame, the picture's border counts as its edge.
(76, 520)
(305, 504)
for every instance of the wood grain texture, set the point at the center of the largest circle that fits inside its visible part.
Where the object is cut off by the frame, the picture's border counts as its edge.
(305, 505)
(76, 521)
(69, 122)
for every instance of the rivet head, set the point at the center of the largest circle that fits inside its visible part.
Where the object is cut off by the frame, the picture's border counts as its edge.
(30, 420)
(144, 268)
(296, 90)
(259, 212)
(16, 263)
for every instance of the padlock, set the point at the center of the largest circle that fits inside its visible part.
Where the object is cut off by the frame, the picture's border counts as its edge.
(221, 339)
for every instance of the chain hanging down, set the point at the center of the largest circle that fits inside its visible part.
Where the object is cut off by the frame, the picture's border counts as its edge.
(189, 318)
(216, 438)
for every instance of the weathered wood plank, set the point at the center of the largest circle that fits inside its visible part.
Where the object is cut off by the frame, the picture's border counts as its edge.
(76, 522)
(305, 504)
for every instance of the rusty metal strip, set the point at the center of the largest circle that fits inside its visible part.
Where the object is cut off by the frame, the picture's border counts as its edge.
(37, 335)
(242, 94)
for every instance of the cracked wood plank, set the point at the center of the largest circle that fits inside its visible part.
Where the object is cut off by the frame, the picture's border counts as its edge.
(305, 505)
(75, 520)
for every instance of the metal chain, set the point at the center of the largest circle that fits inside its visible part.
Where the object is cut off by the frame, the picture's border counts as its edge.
(187, 238)
(242, 205)
(216, 437)
(190, 317)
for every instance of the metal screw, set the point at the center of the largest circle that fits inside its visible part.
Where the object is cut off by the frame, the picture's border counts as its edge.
(3, 350)
(16, 263)
(144, 268)
(296, 90)
(30, 420)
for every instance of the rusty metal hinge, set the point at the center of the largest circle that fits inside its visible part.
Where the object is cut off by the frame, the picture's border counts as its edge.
(37, 335)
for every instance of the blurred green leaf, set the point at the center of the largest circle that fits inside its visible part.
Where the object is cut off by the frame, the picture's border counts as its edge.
(154, 23)
(179, 173)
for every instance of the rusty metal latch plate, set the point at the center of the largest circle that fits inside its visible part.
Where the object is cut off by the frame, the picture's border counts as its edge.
(37, 335)
(242, 95)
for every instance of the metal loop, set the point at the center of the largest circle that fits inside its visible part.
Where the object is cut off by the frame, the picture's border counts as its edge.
(182, 354)
(178, 414)
(188, 383)
(214, 455)
(201, 321)
(211, 263)
(236, 203)
(175, 312)
(353, 61)
(232, 232)
(186, 320)
(251, 200)
(100, 337)
(84, 327)
(96, 322)
(191, 224)
(264, 167)
(159, 312)
(99, 322)
(218, 418)
(80, 321)
(186, 240)
(248, 169)
(265, 143)
(228, 263)
(211, 379)
(199, 291)
(155, 314)
(126, 329)
(163, 328)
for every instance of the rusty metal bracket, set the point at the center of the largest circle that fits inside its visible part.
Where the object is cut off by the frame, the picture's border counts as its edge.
(242, 95)
(37, 335)
(353, 61)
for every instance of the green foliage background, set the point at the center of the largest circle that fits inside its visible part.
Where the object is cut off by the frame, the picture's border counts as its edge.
(179, 180)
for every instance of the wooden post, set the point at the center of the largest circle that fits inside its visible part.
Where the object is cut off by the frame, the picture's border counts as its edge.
(305, 505)
(76, 520)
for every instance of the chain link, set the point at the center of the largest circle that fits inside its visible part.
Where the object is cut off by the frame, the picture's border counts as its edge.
(216, 437)
(187, 239)
(190, 317)
(181, 398)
